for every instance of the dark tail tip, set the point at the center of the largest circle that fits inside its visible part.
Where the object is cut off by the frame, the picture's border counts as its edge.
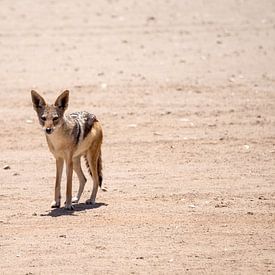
(100, 181)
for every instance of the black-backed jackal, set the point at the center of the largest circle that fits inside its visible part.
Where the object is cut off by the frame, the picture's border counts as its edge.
(69, 137)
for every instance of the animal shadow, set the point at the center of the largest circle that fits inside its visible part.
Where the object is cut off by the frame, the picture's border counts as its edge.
(57, 212)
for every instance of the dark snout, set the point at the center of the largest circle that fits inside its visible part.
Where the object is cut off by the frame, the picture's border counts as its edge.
(49, 130)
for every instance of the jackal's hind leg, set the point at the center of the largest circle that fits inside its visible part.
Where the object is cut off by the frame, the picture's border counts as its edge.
(81, 178)
(92, 158)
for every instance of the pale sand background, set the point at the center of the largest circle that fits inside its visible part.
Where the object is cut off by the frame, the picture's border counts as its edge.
(185, 92)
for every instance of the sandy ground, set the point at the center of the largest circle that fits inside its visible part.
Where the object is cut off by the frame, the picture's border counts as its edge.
(185, 93)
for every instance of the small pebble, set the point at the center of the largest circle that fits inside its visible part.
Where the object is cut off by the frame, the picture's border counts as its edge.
(132, 125)
(184, 119)
(262, 198)
(104, 189)
(151, 18)
(171, 260)
(103, 86)
(246, 147)
(220, 205)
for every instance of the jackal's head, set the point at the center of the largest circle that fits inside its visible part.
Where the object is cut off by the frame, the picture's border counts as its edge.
(50, 116)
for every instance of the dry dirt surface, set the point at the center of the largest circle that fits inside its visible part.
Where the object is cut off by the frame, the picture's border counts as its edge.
(185, 93)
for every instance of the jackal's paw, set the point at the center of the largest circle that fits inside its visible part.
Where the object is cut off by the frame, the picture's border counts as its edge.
(75, 199)
(90, 201)
(55, 204)
(69, 207)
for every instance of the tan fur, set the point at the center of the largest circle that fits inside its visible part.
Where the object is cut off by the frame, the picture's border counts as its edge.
(62, 145)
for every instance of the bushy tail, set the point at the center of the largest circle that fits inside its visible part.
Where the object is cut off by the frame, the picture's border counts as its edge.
(99, 168)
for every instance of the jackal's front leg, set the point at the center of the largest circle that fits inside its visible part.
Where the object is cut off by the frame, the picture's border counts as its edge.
(69, 170)
(81, 177)
(57, 195)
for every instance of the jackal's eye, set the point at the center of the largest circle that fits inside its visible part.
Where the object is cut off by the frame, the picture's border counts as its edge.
(43, 118)
(55, 118)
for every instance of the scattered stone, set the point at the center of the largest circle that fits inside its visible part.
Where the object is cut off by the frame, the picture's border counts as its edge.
(140, 258)
(212, 125)
(104, 189)
(151, 18)
(220, 205)
(262, 198)
(191, 206)
(166, 113)
(250, 213)
(100, 247)
(132, 126)
(62, 236)
(29, 121)
(103, 86)
(184, 119)
(6, 167)
(171, 260)
(34, 214)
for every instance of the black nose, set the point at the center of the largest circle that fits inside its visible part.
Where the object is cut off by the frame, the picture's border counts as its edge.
(48, 130)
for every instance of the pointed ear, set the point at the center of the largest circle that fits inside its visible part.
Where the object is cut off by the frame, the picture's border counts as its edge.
(63, 100)
(37, 100)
